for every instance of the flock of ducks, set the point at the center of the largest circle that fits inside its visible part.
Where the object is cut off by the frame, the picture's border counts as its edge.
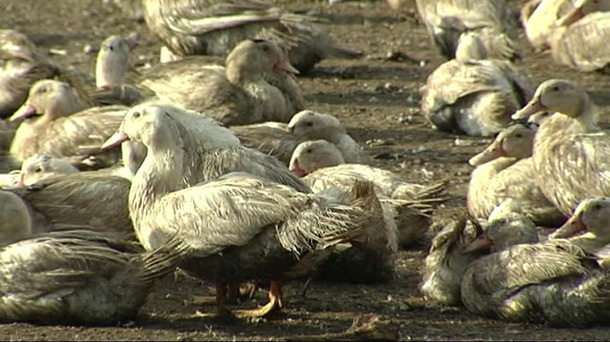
(223, 172)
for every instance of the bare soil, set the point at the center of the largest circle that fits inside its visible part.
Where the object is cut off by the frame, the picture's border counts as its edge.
(378, 100)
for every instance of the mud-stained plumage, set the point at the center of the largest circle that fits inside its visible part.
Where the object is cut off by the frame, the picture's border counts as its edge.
(21, 65)
(505, 170)
(570, 152)
(475, 97)
(446, 20)
(445, 263)
(237, 94)
(559, 281)
(214, 27)
(237, 228)
(407, 205)
(49, 128)
(80, 200)
(78, 277)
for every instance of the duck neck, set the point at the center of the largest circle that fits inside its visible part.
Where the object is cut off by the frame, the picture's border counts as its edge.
(160, 174)
(587, 115)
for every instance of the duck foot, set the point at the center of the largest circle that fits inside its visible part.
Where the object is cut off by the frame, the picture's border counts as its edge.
(276, 302)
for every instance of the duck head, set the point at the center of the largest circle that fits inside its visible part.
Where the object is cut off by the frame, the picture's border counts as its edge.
(470, 47)
(312, 155)
(112, 61)
(591, 219)
(559, 96)
(253, 58)
(514, 141)
(508, 226)
(313, 125)
(149, 124)
(42, 166)
(48, 99)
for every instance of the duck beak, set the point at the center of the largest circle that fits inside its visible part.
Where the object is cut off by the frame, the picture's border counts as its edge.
(572, 227)
(115, 140)
(493, 151)
(571, 17)
(477, 244)
(533, 107)
(25, 111)
(296, 169)
(285, 66)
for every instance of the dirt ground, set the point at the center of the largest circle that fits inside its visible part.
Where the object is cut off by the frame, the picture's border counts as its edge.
(376, 99)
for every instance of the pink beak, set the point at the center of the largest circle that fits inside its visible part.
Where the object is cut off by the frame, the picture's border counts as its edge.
(296, 169)
(572, 226)
(115, 140)
(571, 17)
(284, 65)
(26, 110)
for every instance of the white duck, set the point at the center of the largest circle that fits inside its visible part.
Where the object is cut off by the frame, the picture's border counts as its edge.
(226, 223)
(505, 170)
(571, 155)
(49, 128)
(80, 277)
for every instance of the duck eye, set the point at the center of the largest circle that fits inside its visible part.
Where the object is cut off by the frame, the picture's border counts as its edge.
(136, 114)
(309, 124)
(597, 207)
(41, 90)
(38, 169)
(519, 135)
(555, 88)
(308, 151)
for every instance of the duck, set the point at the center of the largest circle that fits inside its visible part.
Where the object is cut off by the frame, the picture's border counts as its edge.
(45, 128)
(212, 150)
(237, 228)
(474, 95)
(560, 281)
(567, 47)
(505, 169)
(81, 278)
(280, 139)
(88, 200)
(237, 94)
(319, 163)
(446, 20)
(462, 240)
(16, 223)
(42, 166)
(215, 27)
(576, 168)
(22, 63)
(539, 19)
(314, 125)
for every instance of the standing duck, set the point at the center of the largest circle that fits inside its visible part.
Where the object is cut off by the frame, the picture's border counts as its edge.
(21, 65)
(211, 150)
(472, 94)
(560, 281)
(47, 130)
(215, 27)
(80, 277)
(568, 47)
(237, 94)
(570, 152)
(505, 170)
(446, 20)
(237, 228)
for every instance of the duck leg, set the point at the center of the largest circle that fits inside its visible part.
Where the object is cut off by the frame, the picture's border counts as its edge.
(276, 302)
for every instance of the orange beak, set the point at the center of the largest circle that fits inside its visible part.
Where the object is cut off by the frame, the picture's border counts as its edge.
(477, 244)
(493, 151)
(572, 227)
(531, 108)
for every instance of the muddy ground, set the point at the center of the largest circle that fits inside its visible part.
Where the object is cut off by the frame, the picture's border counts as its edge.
(375, 99)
